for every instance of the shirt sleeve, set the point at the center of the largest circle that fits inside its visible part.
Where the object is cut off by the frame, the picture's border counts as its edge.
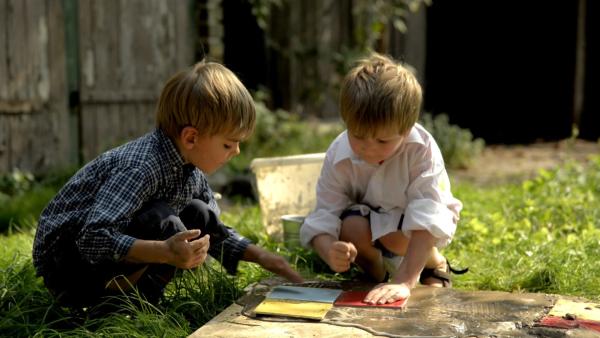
(231, 250)
(101, 237)
(431, 205)
(331, 201)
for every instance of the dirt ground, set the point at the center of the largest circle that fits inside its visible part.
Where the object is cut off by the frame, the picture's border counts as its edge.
(502, 164)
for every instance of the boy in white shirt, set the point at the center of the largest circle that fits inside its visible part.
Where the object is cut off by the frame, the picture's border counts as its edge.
(383, 197)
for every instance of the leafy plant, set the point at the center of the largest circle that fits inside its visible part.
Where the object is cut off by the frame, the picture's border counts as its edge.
(23, 197)
(367, 26)
(15, 183)
(280, 133)
(458, 146)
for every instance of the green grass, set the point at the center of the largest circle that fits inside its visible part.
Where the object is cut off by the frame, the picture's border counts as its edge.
(541, 235)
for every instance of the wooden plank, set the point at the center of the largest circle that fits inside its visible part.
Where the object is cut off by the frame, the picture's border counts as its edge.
(131, 19)
(183, 36)
(28, 69)
(88, 131)
(5, 136)
(37, 50)
(327, 40)
(4, 76)
(18, 144)
(104, 31)
(86, 45)
(17, 67)
(107, 95)
(146, 118)
(107, 127)
(416, 39)
(129, 48)
(58, 96)
(36, 147)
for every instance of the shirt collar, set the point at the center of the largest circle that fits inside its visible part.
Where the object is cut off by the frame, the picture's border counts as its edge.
(171, 152)
(416, 135)
(345, 151)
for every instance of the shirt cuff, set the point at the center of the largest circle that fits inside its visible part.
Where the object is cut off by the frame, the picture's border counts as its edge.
(435, 217)
(230, 251)
(122, 246)
(317, 223)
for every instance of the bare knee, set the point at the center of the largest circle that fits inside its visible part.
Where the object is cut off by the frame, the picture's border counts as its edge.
(395, 242)
(357, 230)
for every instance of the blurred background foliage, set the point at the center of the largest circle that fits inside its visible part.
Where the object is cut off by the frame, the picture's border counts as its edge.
(278, 133)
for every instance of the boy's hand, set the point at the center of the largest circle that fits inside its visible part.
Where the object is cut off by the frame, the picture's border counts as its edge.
(340, 255)
(387, 293)
(272, 262)
(187, 252)
(280, 266)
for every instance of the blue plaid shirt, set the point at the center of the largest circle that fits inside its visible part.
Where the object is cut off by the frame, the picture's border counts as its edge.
(98, 202)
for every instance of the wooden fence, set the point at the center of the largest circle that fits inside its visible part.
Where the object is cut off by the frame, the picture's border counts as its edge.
(33, 107)
(112, 64)
(127, 50)
(79, 77)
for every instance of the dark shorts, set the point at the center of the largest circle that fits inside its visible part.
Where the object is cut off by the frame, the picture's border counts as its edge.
(77, 283)
(384, 251)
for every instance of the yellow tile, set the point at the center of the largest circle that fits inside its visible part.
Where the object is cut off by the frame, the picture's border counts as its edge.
(301, 309)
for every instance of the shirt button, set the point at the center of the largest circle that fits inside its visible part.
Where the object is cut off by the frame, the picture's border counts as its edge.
(116, 257)
(175, 168)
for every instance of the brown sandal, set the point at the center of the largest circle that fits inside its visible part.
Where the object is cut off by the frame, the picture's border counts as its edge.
(443, 276)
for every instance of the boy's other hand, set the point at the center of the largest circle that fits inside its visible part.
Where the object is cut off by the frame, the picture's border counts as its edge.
(272, 262)
(340, 255)
(186, 251)
(387, 293)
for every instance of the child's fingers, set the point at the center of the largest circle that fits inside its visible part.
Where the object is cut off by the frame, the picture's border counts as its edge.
(187, 235)
(387, 293)
(352, 252)
(200, 243)
(342, 248)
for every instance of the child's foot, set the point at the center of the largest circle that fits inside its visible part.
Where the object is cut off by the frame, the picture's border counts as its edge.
(430, 276)
(440, 275)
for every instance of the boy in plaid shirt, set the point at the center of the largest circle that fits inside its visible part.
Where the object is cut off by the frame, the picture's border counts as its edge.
(133, 215)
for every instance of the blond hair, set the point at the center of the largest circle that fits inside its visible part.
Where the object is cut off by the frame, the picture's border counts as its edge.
(379, 94)
(208, 97)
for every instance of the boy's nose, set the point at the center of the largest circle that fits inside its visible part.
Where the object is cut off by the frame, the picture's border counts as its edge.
(236, 150)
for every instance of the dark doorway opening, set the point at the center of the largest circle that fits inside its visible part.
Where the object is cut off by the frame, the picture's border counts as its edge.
(245, 52)
(504, 71)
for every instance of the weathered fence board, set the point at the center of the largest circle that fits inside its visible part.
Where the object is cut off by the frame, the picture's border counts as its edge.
(3, 52)
(128, 49)
(33, 103)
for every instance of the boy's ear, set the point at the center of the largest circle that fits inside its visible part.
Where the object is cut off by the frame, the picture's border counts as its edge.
(188, 136)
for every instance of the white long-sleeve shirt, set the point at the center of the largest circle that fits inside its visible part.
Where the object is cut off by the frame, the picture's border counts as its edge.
(413, 182)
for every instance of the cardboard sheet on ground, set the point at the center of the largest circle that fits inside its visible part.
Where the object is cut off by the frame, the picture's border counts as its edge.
(355, 298)
(430, 312)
